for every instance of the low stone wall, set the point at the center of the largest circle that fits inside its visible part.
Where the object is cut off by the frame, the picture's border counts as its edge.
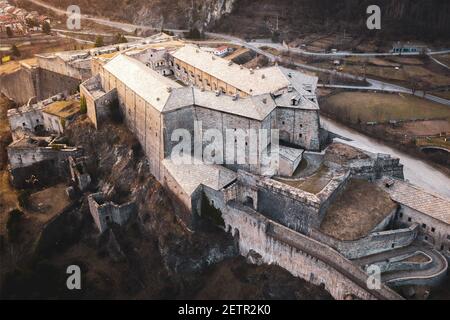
(300, 255)
(104, 213)
(374, 243)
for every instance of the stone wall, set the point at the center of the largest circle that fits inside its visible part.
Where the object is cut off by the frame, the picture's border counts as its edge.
(51, 83)
(432, 231)
(292, 207)
(20, 85)
(299, 127)
(42, 162)
(79, 70)
(104, 213)
(372, 244)
(300, 255)
(97, 100)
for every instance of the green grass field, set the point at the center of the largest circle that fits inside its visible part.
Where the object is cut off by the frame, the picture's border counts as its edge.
(364, 107)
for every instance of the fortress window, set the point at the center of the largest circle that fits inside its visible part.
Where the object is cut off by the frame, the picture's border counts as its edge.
(433, 229)
(301, 126)
(401, 215)
(424, 226)
(409, 219)
(37, 120)
(283, 123)
(23, 124)
(300, 135)
(448, 237)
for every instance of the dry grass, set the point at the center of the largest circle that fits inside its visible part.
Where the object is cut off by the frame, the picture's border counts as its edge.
(443, 142)
(380, 107)
(357, 211)
(314, 183)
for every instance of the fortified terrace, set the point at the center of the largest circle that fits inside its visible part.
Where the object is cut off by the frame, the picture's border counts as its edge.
(327, 213)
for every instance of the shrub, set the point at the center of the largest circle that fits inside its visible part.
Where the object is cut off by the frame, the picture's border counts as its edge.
(15, 51)
(116, 115)
(13, 225)
(24, 198)
(210, 213)
(99, 42)
(46, 27)
(83, 105)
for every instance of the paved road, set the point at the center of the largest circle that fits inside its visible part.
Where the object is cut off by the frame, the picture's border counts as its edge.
(342, 54)
(418, 172)
(434, 270)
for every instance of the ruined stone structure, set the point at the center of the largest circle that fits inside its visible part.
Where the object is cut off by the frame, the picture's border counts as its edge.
(40, 158)
(78, 173)
(49, 115)
(104, 212)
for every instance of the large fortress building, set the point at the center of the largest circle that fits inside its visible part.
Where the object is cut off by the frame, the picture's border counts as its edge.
(296, 216)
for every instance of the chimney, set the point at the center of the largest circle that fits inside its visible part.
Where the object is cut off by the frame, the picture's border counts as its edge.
(235, 96)
(251, 71)
(217, 93)
(169, 89)
(290, 88)
(263, 76)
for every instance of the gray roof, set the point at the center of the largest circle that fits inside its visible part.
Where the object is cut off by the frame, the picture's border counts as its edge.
(252, 82)
(167, 95)
(148, 84)
(191, 176)
(431, 204)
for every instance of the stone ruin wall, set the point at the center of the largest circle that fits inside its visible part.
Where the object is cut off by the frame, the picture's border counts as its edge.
(298, 254)
(372, 244)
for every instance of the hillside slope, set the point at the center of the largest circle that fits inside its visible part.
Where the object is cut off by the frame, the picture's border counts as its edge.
(407, 18)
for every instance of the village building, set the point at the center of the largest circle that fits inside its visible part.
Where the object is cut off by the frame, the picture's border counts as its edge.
(222, 51)
(29, 118)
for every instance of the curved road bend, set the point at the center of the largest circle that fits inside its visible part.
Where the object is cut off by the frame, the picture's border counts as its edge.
(436, 268)
(418, 172)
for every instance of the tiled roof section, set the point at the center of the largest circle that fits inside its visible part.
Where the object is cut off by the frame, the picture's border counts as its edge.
(151, 86)
(415, 198)
(256, 82)
(191, 176)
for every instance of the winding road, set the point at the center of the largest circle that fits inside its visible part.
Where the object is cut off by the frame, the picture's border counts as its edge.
(418, 172)
(432, 272)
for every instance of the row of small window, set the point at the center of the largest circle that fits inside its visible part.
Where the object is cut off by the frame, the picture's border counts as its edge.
(424, 226)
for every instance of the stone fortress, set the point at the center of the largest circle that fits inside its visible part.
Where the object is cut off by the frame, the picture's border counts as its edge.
(330, 212)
